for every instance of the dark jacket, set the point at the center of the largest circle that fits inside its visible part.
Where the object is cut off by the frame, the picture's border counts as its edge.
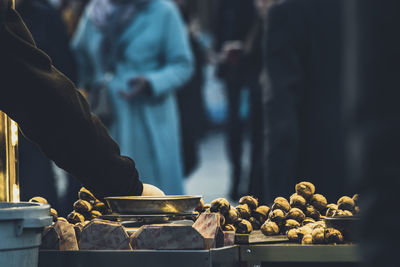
(305, 133)
(56, 116)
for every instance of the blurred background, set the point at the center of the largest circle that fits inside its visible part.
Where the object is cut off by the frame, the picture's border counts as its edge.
(209, 97)
(218, 125)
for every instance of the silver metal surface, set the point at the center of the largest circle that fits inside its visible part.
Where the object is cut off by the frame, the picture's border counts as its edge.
(290, 252)
(153, 205)
(221, 257)
(147, 218)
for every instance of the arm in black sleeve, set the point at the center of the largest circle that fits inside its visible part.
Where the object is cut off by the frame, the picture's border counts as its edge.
(286, 78)
(53, 114)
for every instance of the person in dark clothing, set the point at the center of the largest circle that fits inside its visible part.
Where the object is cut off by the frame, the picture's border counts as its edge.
(304, 123)
(234, 21)
(190, 99)
(253, 67)
(36, 174)
(373, 112)
(57, 117)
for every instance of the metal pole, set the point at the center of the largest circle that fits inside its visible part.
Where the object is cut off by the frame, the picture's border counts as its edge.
(9, 178)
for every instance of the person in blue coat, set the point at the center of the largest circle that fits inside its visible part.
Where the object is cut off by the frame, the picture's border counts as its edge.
(139, 50)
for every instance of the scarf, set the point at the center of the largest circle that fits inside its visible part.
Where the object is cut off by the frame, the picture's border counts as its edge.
(111, 18)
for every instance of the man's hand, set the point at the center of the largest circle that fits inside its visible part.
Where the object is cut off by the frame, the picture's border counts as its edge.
(151, 190)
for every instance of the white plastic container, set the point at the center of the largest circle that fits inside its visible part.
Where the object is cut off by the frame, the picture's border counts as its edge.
(21, 225)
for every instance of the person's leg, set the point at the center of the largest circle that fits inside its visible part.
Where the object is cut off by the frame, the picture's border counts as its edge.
(234, 136)
(257, 142)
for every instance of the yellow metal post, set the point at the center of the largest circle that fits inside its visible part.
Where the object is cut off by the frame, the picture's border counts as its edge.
(9, 177)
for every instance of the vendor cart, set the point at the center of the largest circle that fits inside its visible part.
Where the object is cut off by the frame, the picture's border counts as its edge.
(220, 257)
(288, 254)
(281, 254)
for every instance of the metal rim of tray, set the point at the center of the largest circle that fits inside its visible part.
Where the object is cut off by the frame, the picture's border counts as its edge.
(173, 204)
(147, 217)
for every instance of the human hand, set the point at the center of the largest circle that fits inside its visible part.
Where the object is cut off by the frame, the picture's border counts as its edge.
(151, 190)
(138, 86)
(231, 51)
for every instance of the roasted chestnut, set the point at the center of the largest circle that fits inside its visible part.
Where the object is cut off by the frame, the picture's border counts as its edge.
(318, 236)
(252, 202)
(232, 216)
(75, 217)
(346, 203)
(95, 214)
(319, 202)
(293, 235)
(220, 205)
(260, 213)
(229, 227)
(308, 220)
(347, 213)
(54, 214)
(85, 194)
(222, 220)
(305, 189)
(332, 205)
(312, 212)
(305, 230)
(38, 200)
(100, 206)
(307, 239)
(331, 210)
(255, 223)
(62, 219)
(297, 201)
(277, 216)
(82, 206)
(270, 228)
(244, 211)
(356, 210)
(200, 206)
(244, 227)
(356, 198)
(333, 236)
(281, 203)
(296, 214)
(290, 224)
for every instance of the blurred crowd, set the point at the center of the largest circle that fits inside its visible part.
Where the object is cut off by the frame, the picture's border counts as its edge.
(141, 64)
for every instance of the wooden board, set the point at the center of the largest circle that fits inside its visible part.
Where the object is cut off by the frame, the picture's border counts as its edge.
(258, 237)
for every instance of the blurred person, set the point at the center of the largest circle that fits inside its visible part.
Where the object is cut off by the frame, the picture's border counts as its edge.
(373, 113)
(36, 173)
(71, 11)
(190, 96)
(139, 51)
(234, 21)
(56, 116)
(304, 120)
(253, 68)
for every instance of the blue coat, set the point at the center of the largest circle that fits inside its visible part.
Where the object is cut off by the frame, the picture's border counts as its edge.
(155, 45)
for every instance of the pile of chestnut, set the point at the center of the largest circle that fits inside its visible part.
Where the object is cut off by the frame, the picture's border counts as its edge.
(300, 217)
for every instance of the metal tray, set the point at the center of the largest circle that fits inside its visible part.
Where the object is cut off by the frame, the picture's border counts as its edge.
(347, 225)
(153, 205)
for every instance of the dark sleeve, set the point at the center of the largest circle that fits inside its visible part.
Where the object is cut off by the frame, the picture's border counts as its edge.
(53, 114)
(285, 72)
